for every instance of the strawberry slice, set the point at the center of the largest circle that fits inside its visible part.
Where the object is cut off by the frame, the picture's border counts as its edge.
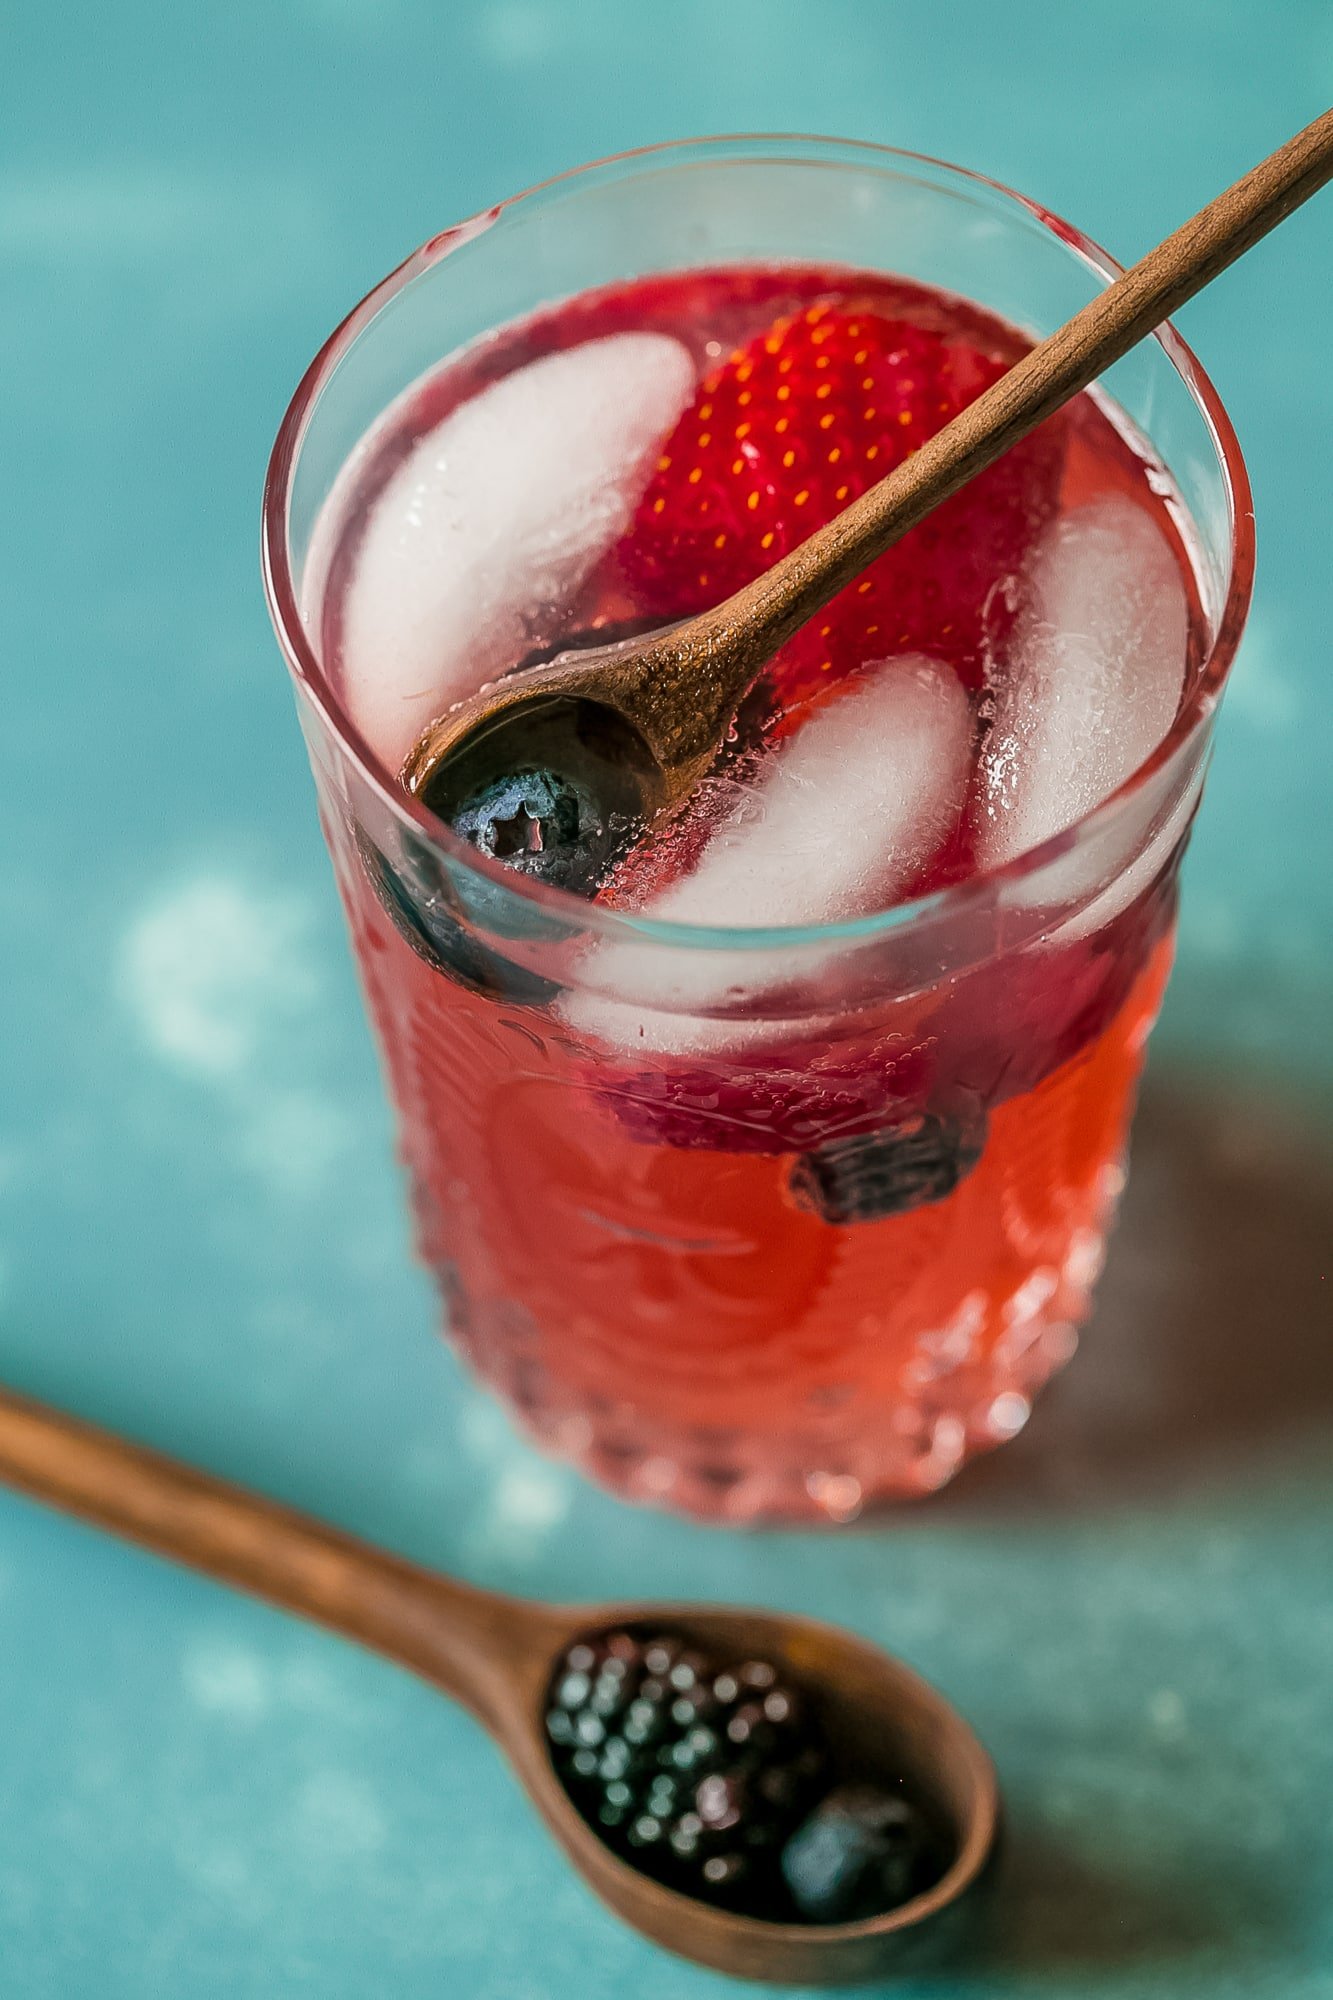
(789, 430)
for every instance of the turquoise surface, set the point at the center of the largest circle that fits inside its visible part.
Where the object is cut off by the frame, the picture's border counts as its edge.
(201, 1234)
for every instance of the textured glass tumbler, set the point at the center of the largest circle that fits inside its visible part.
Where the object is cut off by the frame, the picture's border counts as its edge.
(638, 1271)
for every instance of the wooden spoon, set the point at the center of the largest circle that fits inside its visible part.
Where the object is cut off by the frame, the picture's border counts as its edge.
(498, 1655)
(652, 712)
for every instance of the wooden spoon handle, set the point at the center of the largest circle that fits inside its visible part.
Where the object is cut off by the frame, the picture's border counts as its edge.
(463, 1639)
(751, 625)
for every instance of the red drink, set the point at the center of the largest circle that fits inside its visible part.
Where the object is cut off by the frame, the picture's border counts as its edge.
(774, 1230)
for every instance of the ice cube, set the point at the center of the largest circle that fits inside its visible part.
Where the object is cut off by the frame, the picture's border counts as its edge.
(849, 807)
(498, 514)
(840, 818)
(1093, 676)
(1133, 880)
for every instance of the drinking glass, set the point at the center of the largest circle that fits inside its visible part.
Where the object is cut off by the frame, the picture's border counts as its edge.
(634, 1249)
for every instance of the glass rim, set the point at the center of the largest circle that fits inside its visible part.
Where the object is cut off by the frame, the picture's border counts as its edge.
(579, 912)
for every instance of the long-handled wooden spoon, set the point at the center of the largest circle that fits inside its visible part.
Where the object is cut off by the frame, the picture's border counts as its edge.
(497, 1655)
(655, 709)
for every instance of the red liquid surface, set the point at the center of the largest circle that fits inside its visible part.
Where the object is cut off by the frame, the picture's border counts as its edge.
(622, 1239)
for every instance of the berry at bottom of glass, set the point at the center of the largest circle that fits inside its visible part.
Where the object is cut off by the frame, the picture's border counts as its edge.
(774, 1227)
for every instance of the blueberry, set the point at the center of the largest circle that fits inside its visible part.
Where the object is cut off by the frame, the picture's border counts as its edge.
(417, 899)
(543, 825)
(888, 1172)
(556, 792)
(860, 1852)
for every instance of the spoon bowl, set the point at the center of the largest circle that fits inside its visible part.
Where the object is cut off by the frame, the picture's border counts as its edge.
(631, 718)
(554, 780)
(884, 1722)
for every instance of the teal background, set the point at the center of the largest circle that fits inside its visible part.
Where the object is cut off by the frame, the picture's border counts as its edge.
(201, 1233)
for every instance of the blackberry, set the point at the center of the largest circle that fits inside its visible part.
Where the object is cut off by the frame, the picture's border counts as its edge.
(695, 1771)
(888, 1172)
